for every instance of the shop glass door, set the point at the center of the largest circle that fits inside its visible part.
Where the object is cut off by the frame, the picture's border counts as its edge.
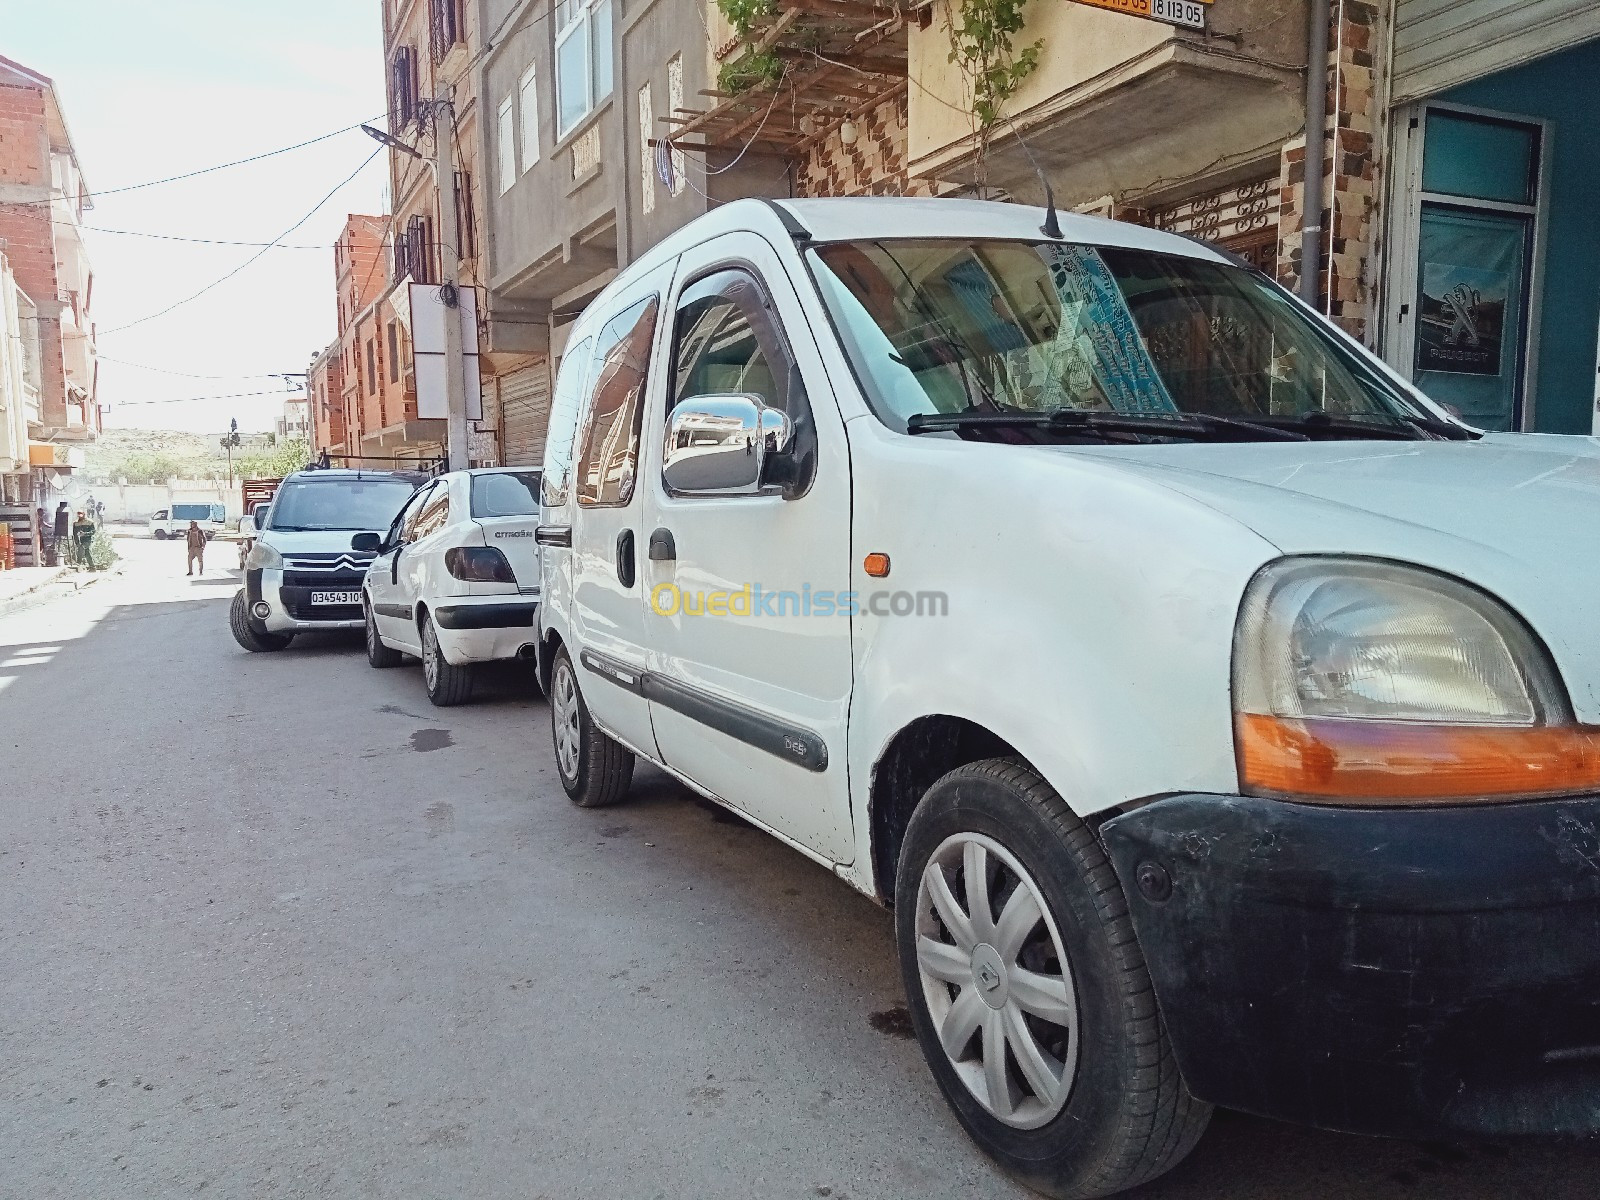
(1475, 263)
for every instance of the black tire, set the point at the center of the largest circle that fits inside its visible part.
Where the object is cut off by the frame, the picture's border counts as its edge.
(1128, 1116)
(447, 685)
(379, 655)
(599, 773)
(161, 535)
(257, 641)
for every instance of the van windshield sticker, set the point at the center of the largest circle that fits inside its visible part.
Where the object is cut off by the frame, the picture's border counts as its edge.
(1097, 337)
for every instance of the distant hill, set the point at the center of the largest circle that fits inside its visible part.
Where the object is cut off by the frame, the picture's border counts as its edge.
(156, 455)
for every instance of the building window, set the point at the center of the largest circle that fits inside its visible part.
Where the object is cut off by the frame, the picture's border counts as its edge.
(647, 162)
(583, 59)
(403, 88)
(528, 97)
(506, 140)
(372, 367)
(394, 353)
(413, 251)
(680, 161)
(446, 28)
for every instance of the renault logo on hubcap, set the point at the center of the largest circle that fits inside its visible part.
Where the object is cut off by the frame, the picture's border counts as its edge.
(989, 973)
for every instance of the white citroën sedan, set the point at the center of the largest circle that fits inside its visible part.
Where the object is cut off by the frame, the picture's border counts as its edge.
(455, 581)
(1220, 717)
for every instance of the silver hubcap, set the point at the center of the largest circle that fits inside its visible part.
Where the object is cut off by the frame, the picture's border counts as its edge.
(996, 980)
(564, 720)
(430, 656)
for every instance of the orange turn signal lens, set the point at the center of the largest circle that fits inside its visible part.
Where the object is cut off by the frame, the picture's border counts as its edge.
(1394, 763)
(876, 565)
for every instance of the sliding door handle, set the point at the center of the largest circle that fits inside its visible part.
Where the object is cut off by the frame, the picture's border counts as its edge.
(662, 547)
(625, 566)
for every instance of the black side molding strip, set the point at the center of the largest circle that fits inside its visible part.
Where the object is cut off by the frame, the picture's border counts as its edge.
(553, 535)
(403, 611)
(791, 743)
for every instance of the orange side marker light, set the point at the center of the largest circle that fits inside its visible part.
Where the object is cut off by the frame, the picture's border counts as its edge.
(876, 565)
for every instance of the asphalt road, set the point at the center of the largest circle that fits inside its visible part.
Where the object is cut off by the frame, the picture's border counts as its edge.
(274, 926)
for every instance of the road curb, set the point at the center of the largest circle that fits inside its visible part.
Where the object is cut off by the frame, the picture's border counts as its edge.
(21, 600)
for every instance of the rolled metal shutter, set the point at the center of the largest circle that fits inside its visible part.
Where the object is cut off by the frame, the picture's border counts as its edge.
(1439, 44)
(525, 411)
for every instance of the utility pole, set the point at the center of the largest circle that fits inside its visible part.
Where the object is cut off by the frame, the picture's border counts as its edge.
(441, 113)
(229, 441)
(455, 384)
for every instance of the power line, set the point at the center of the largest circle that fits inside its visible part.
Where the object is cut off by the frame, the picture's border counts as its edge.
(238, 162)
(122, 362)
(216, 282)
(198, 399)
(172, 237)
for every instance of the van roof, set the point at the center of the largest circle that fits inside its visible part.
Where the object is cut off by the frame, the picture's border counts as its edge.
(866, 218)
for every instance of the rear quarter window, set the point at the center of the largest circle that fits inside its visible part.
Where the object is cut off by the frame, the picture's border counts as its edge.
(563, 428)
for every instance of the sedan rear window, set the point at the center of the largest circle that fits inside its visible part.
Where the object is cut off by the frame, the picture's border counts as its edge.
(506, 494)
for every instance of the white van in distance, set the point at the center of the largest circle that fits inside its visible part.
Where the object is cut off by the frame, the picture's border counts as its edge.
(174, 522)
(1220, 717)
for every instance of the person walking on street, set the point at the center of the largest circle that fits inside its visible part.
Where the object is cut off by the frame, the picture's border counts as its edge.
(195, 537)
(83, 539)
(62, 530)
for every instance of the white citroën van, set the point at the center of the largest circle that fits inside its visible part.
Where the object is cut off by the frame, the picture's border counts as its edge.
(1220, 717)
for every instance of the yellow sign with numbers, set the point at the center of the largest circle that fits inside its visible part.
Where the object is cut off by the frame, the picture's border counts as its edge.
(1189, 13)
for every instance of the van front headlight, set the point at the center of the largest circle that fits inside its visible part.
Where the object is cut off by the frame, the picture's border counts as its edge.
(263, 557)
(1367, 682)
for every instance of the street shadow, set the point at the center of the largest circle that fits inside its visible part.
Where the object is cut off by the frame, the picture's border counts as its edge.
(832, 934)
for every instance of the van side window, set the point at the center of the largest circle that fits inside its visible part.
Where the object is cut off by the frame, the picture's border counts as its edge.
(610, 427)
(725, 341)
(563, 425)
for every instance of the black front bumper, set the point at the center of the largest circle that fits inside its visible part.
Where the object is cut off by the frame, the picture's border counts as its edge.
(1403, 972)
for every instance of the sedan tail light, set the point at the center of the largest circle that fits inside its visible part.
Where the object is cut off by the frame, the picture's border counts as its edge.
(478, 564)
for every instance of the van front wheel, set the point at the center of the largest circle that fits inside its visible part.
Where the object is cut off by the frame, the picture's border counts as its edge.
(595, 769)
(1028, 991)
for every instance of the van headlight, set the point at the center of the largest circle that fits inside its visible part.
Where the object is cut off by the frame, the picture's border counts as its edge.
(1367, 682)
(263, 557)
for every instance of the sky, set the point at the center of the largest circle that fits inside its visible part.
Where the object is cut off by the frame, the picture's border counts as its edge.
(155, 90)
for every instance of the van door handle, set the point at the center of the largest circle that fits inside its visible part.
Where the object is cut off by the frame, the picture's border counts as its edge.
(625, 570)
(662, 547)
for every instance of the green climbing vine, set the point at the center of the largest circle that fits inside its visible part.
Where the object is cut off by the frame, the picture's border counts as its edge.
(983, 45)
(748, 70)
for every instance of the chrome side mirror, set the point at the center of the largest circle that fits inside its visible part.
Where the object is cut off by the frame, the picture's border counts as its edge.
(722, 445)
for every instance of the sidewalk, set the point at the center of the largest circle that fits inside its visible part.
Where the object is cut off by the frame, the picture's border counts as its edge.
(20, 581)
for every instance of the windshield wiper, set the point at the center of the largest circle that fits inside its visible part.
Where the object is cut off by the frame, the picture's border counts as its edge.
(1448, 430)
(1388, 429)
(1198, 426)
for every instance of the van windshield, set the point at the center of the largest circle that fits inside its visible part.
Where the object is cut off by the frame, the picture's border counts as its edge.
(1096, 342)
(344, 504)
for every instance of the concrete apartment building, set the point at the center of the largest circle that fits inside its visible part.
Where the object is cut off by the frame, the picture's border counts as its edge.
(573, 93)
(602, 125)
(431, 49)
(48, 373)
(294, 423)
